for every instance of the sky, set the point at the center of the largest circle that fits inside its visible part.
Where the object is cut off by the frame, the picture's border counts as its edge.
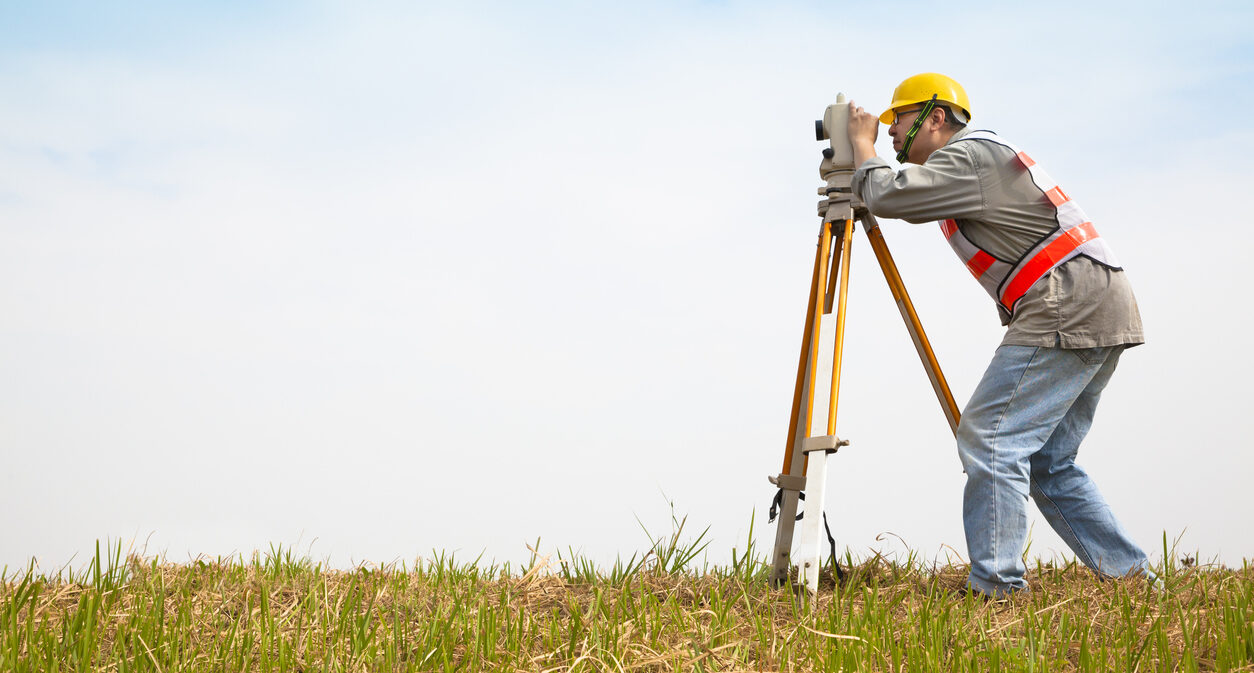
(380, 282)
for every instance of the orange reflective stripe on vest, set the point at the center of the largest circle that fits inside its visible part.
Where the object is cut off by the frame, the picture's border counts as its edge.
(980, 263)
(1057, 252)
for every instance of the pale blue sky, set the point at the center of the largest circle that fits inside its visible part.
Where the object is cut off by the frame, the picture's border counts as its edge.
(415, 276)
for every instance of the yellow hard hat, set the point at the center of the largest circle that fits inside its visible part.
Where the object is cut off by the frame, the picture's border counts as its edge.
(921, 88)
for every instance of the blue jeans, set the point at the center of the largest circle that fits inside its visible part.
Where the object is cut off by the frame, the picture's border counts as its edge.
(1019, 435)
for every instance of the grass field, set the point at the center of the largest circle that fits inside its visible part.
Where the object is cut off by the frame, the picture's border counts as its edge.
(655, 612)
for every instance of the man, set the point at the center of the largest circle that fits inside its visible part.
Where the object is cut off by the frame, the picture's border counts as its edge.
(1069, 312)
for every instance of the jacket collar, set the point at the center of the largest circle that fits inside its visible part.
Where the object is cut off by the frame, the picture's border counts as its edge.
(958, 136)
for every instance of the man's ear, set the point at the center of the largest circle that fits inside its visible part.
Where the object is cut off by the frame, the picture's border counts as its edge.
(937, 117)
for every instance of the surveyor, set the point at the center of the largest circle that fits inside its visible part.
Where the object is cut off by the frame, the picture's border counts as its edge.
(1069, 314)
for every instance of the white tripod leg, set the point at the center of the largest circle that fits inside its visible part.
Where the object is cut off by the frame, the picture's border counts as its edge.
(810, 558)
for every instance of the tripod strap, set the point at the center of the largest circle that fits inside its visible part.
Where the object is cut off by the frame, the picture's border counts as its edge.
(840, 573)
(779, 500)
(773, 513)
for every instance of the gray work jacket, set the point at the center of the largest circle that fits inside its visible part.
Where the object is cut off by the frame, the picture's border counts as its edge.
(1080, 304)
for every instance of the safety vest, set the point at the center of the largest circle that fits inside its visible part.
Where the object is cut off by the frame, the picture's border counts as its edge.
(1008, 280)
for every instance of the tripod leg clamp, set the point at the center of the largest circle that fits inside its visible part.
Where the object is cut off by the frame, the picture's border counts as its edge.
(826, 443)
(788, 482)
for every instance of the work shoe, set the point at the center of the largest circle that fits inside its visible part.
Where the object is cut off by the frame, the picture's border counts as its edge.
(962, 593)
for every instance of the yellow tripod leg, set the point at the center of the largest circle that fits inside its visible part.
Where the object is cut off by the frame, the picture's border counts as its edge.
(915, 327)
(792, 479)
(846, 248)
(819, 449)
(803, 392)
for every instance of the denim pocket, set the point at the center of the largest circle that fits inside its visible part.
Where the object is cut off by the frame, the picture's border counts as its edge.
(1091, 356)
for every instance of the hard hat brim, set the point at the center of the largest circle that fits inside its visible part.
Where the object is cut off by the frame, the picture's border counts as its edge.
(887, 117)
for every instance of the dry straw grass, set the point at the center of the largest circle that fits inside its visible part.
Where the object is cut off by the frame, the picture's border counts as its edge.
(276, 612)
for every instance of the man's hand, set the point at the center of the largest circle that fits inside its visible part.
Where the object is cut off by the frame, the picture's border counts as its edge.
(864, 127)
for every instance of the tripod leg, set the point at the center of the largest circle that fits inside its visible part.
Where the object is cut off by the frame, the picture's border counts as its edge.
(810, 554)
(792, 479)
(838, 262)
(800, 414)
(846, 247)
(810, 551)
(915, 327)
(803, 430)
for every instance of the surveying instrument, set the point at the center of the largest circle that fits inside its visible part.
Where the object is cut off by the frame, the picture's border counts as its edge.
(804, 476)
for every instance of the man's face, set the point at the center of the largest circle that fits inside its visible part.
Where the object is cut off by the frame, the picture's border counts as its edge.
(902, 121)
